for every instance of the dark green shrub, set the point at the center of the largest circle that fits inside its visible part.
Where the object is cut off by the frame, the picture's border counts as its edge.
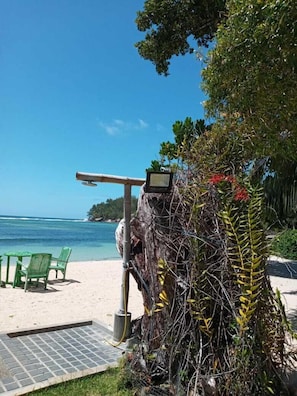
(285, 244)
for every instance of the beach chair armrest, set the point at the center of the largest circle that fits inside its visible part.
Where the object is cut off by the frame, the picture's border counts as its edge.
(57, 259)
(21, 264)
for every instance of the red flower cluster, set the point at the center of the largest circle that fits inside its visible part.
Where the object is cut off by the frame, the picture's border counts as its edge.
(215, 179)
(240, 194)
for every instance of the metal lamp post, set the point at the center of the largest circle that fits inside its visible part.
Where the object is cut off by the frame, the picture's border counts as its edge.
(122, 318)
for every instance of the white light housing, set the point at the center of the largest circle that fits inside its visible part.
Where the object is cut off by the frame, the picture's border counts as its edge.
(89, 183)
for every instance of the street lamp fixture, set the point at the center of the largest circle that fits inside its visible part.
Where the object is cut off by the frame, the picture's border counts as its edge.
(89, 183)
(158, 182)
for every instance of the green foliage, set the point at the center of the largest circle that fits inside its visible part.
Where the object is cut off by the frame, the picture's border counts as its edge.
(155, 166)
(251, 76)
(281, 193)
(251, 83)
(163, 270)
(108, 383)
(247, 253)
(217, 150)
(185, 134)
(112, 209)
(285, 244)
(235, 251)
(169, 24)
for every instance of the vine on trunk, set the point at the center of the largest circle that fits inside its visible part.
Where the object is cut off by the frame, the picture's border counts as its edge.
(212, 324)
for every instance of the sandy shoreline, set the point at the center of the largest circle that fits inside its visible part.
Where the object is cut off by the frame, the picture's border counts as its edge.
(92, 292)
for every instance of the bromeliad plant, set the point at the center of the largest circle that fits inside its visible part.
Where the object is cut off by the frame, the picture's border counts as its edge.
(246, 248)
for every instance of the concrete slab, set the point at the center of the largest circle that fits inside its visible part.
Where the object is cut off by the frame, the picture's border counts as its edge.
(35, 359)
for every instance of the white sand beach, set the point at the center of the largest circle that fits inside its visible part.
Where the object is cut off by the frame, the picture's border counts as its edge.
(92, 291)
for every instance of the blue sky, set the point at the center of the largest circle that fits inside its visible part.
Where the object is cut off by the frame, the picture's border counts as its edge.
(76, 96)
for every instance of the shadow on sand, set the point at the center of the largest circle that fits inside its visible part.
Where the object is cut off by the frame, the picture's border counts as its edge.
(284, 269)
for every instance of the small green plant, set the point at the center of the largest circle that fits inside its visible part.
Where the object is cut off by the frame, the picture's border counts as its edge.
(285, 244)
(107, 383)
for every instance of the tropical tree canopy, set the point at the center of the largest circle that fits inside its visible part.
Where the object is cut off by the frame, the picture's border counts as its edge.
(170, 23)
(251, 76)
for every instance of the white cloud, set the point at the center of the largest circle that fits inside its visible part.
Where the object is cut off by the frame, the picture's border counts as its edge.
(142, 123)
(119, 122)
(111, 130)
(116, 126)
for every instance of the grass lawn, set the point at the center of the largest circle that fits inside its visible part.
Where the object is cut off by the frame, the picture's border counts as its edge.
(102, 384)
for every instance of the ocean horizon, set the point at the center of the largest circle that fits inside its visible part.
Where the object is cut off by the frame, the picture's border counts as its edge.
(89, 240)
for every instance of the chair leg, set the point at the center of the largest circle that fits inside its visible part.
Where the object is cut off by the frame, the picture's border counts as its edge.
(15, 280)
(17, 277)
(26, 283)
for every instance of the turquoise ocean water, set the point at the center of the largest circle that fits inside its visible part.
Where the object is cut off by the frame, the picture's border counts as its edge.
(89, 241)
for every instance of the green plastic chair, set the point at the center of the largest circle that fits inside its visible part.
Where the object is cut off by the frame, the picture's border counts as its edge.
(61, 261)
(37, 268)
